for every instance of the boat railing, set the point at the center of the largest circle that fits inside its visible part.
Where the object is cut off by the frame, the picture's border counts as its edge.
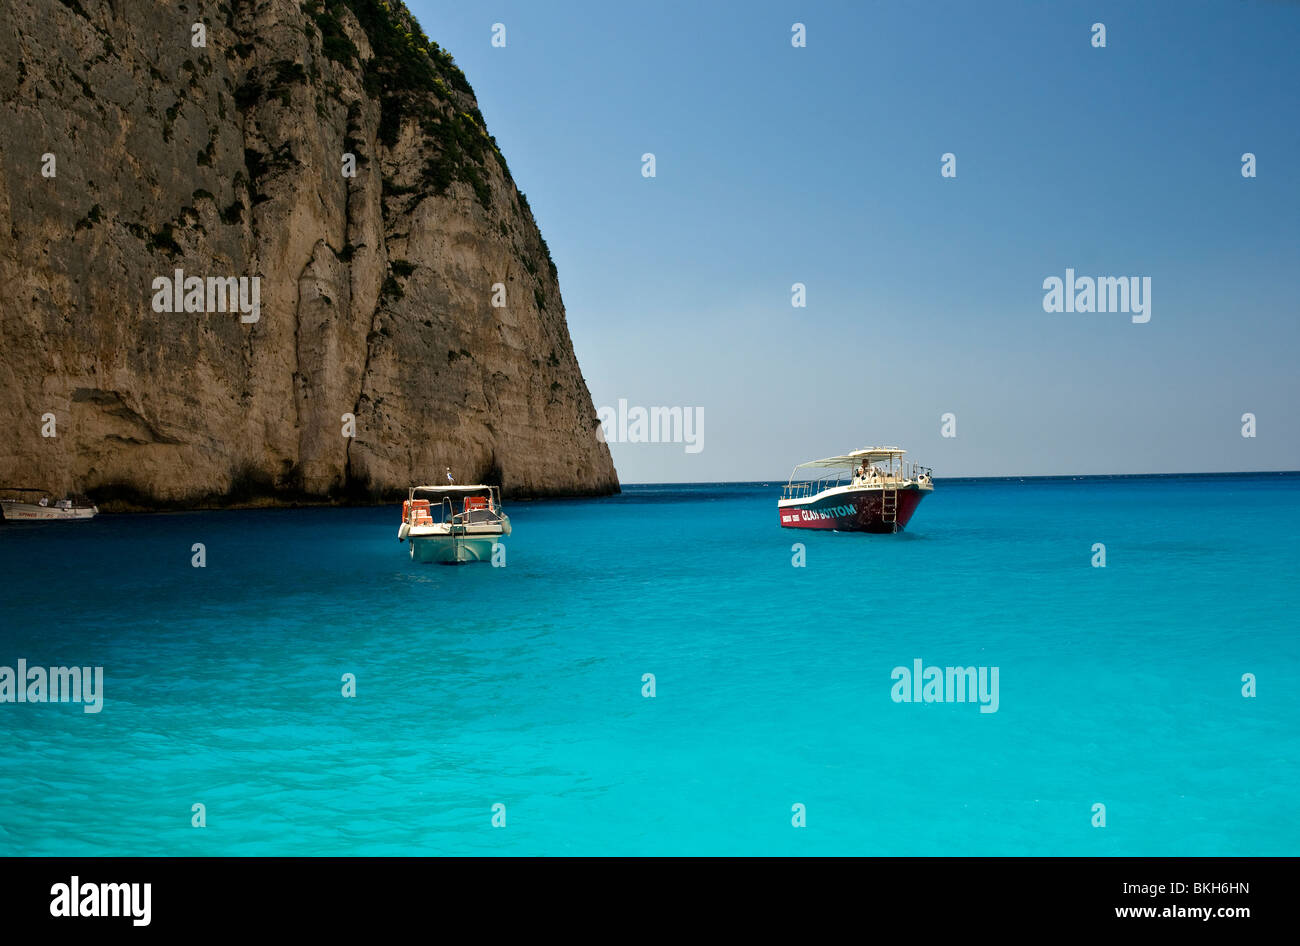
(801, 489)
(917, 472)
(446, 513)
(904, 475)
(452, 507)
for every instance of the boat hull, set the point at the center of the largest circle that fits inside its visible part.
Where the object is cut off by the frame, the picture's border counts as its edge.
(452, 550)
(850, 510)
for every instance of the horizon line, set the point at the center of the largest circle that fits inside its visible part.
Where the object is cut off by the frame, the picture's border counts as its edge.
(996, 476)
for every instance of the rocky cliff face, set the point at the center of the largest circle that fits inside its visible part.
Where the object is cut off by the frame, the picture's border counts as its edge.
(142, 137)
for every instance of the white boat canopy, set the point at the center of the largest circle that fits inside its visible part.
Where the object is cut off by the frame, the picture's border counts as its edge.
(452, 488)
(866, 454)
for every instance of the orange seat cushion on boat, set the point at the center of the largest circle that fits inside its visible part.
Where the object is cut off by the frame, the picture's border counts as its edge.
(423, 517)
(475, 502)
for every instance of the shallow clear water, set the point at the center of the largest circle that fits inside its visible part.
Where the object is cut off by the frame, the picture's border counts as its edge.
(477, 685)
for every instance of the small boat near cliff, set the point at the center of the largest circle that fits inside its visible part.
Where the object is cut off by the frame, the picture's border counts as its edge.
(45, 508)
(453, 524)
(868, 490)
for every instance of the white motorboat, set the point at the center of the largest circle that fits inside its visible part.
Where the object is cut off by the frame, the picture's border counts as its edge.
(45, 508)
(453, 524)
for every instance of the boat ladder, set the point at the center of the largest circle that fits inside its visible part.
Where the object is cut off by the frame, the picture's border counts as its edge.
(454, 529)
(889, 507)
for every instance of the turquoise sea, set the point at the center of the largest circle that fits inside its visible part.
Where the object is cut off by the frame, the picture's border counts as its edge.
(523, 685)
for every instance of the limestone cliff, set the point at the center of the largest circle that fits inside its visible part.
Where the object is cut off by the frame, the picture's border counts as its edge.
(143, 137)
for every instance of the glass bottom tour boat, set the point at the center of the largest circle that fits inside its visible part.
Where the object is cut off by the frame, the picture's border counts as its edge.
(453, 524)
(868, 490)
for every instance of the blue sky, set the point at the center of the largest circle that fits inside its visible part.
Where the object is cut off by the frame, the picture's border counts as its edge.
(821, 165)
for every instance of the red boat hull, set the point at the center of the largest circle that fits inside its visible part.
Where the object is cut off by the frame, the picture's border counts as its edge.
(856, 511)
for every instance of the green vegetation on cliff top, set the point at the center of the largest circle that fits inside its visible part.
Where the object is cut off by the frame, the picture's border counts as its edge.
(414, 78)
